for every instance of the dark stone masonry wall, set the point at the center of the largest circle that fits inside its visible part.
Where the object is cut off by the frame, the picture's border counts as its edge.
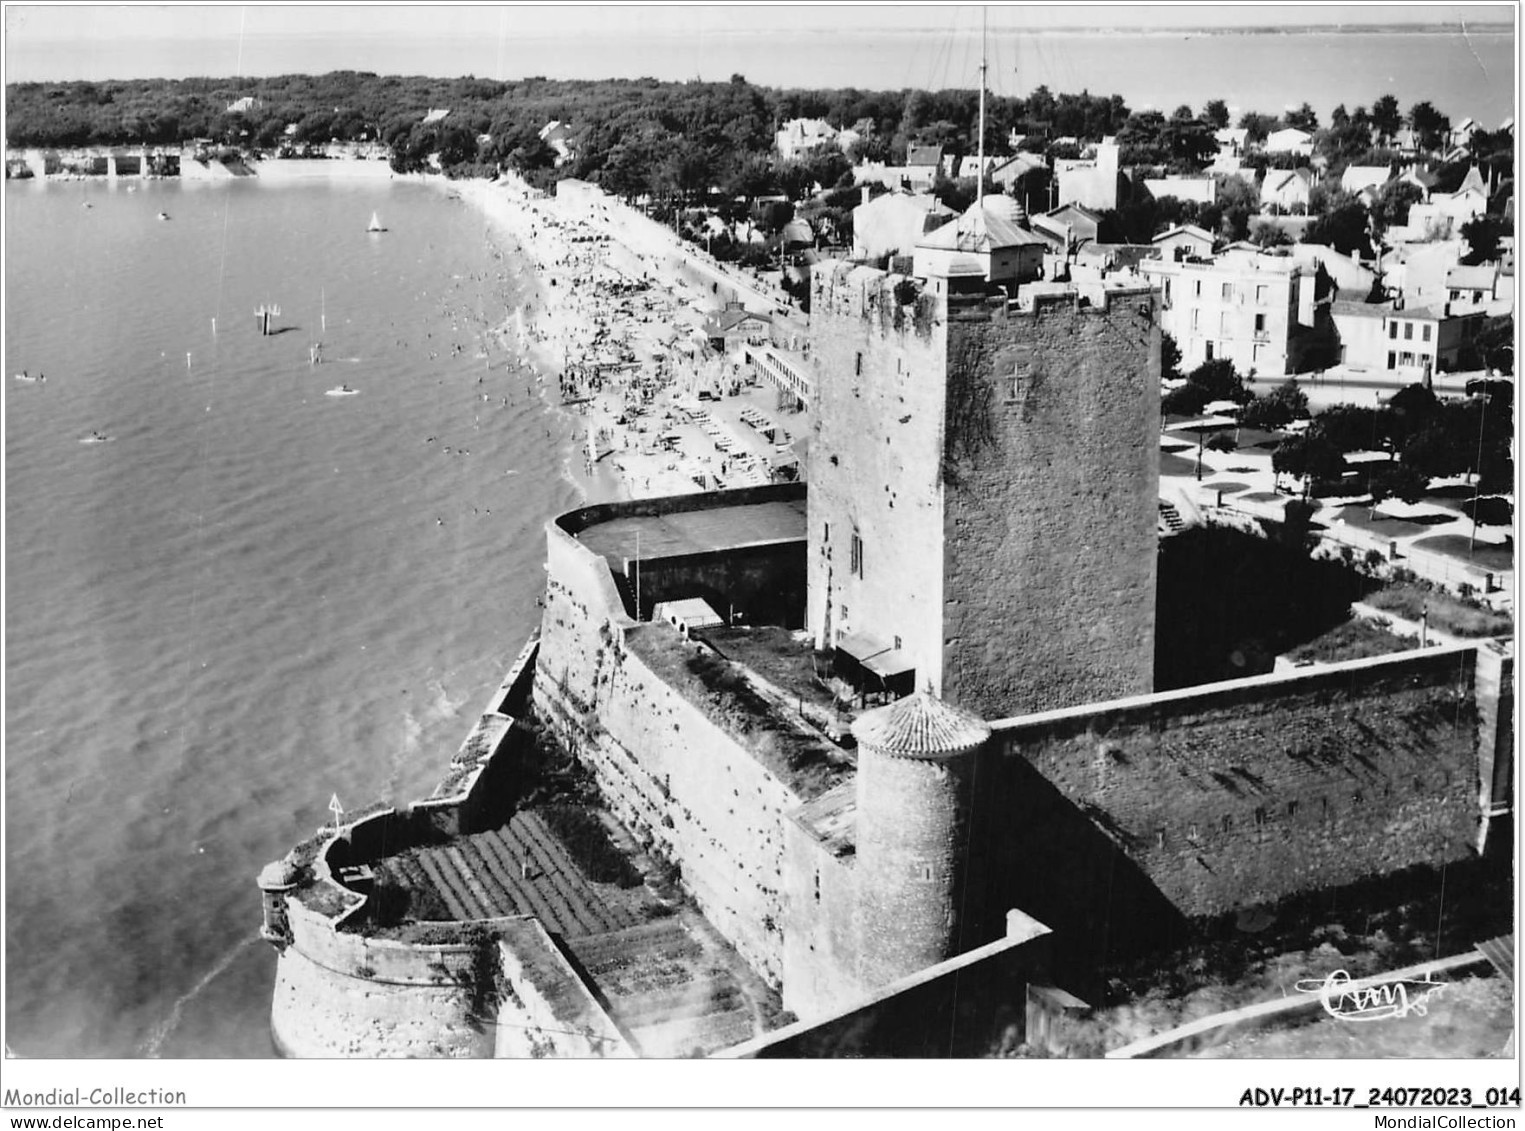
(1051, 473)
(1121, 820)
(760, 584)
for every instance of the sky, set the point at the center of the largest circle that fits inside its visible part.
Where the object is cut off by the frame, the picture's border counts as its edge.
(55, 42)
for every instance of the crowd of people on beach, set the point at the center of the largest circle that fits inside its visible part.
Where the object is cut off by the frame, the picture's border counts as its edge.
(619, 330)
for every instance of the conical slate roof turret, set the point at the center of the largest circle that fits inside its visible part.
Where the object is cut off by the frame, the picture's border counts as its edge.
(920, 726)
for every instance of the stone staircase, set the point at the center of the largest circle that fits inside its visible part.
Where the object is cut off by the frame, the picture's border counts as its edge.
(1171, 521)
(665, 989)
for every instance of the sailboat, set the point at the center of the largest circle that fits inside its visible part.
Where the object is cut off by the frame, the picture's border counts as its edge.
(375, 224)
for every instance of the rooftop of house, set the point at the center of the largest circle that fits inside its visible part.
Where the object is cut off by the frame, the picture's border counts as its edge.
(984, 227)
(1357, 307)
(1230, 261)
(1362, 175)
(1435, 313)
(1480, 277)
(1277, 180)
(1073, 209)
(722, 321)
(812, 127)
(1185, 230)
(905, 201)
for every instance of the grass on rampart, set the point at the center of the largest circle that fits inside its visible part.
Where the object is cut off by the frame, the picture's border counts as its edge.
(1458, 616)
(1353, 640)
(808, 764)
(587, 842)
(775, 655)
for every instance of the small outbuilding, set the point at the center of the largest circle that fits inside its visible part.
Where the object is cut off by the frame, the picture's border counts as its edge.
(688, 614)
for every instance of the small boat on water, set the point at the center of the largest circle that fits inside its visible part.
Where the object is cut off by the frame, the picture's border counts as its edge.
(342, 391)
(25, 376)
(164, 215)
(375, 224)
(96, 438)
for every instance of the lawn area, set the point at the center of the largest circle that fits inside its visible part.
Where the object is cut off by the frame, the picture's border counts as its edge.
(1389, 526)
(1175, 465)
(1485, 555)
(1255, 438)
(1353, 640)
(774, 654)
(1409, 599)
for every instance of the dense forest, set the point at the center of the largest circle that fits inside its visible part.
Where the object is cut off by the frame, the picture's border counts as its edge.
(674, 142)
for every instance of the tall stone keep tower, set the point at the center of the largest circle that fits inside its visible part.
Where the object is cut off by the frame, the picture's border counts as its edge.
(984, 486)
(915, 783)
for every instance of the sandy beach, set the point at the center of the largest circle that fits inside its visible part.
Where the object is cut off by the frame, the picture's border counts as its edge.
(278, 170)
(615, 331)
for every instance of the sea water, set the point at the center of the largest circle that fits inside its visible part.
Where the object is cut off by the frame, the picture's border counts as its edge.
(252, 596)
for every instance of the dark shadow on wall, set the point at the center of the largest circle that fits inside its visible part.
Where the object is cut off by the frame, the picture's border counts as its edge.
(1416, 914)
(1035, 850)
(1230, 602)
(757, 584)
(961, 1013)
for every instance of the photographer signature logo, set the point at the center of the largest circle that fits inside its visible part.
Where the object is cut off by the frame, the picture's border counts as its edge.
(1348, 1000)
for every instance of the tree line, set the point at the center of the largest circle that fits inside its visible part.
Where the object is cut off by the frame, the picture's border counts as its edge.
(674, 142)
(1425, 437)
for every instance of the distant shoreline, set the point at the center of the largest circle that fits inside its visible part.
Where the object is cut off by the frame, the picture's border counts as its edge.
(1185, 29)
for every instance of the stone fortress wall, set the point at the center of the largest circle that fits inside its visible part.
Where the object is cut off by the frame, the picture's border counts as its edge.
(1051, 471)
(1194, 803)
(1094, 819)
(983, 486)
(448, 989)
(684, 786)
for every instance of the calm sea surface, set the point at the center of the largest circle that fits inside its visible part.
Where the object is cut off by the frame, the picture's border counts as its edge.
(255, 595)
(1464, 72)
